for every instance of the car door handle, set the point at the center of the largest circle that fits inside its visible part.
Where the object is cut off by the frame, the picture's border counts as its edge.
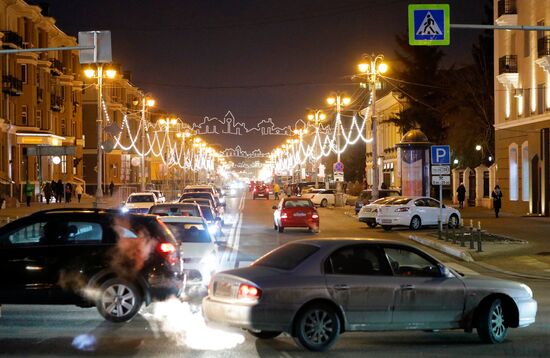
(341, 287)
(407, 287)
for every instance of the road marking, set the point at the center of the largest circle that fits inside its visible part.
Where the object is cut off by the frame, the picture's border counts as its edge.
(460, 268)
(233, 259)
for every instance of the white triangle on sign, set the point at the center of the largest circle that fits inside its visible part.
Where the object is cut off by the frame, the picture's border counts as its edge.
(429, 26)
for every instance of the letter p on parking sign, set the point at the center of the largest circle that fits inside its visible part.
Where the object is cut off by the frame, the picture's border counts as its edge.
(441, 154)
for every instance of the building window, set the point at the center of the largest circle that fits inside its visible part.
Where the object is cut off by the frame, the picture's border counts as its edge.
(513, 158)
(63, 164)
(63, 126)
(525, 171)
(24, 73)
(24, 115)
(39, 118)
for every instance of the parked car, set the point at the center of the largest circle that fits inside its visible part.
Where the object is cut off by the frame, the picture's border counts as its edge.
(176, 209)
(89, 257)
(368, 212)
(219, 212)
(260, 191)
(160, 196)
(415, 212)
(203, 195)
(364, 197)
(316, 289)
(321, 197)
(199, 250)
(295, 212)
(139, 203)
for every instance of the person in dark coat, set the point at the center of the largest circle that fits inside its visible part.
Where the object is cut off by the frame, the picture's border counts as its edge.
(497, 199)
(48, 192)
(461, 195)
(59, 189)
(111, 188)
(68, 191)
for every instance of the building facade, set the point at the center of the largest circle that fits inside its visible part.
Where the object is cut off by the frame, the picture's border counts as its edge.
(40, 103)
(522, 106)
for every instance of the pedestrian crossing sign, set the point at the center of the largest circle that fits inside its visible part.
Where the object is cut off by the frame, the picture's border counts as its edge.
(429, 24)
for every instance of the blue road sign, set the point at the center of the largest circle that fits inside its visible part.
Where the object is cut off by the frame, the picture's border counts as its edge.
(338, 167)
(429, 24)
(441, 154)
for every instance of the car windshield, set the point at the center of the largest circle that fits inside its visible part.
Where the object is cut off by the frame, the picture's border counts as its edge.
(383, 200)
(175, 210)
(189, 232)
(201, 202)
(298, 204)
(287, 257)
(198, 190)
(193, 195)
(399, 201)
(141, 199)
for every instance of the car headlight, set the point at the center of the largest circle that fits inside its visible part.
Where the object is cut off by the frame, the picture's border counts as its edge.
(528, 289)
(124, 209)
(222, 200)
(212, 229)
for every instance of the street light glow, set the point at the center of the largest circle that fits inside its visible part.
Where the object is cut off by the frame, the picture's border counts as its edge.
(346, 101)
(89, 72)
(478, 147)
(382, 68)
(162, 121)
(150, 102)
(331, 101)
(310, 116)
(363, 67)
(110, 73)
(322, 116)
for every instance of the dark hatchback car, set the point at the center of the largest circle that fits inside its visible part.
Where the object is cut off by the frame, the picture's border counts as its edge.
(260, 191)
(89, 257)
(365, 197)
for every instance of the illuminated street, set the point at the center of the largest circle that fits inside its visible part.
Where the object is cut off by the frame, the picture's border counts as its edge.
(174, 328)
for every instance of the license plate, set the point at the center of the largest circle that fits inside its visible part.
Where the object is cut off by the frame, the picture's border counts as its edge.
(222, 289)
(386, 221)
(300, 214)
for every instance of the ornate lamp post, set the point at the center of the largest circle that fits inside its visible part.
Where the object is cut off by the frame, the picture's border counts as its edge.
(338, 101)
(317, 117)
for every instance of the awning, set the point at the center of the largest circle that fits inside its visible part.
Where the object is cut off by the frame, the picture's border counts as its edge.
(39, 138)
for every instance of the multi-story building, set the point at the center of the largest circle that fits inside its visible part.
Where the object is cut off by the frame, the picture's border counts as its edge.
(522, 106)
(388, 135)
(40, 101)
(121, 99)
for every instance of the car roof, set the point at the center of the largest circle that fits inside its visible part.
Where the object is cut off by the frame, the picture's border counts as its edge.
(142, 193)
(183, 219)
(337, 241)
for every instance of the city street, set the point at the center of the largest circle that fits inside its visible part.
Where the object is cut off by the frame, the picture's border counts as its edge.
(176, 328)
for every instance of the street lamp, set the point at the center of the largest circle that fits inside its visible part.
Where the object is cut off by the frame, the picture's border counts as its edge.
(479, 148)
(370, 69)
(338, 102)
(99, 74)
(145, 102)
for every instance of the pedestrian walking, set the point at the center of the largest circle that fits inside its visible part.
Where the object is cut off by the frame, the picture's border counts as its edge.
(48, 192)
(276, 190)
(111, 188)
(78, 191)
(497, 199)
(29, 191)
(68, 192)
(461, 195)
(288, 190)
(60, 190)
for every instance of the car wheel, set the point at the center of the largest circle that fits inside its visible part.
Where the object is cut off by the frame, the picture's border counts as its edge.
(280, 228)
(416, 223)
(386, 227)
(371, 224)
(491, 325)
(317, 328)
(453, 222)
(324, 203)
(119, 300)
(264, 334)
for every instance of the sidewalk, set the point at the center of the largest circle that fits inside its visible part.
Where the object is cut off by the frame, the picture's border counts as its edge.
(86, 202)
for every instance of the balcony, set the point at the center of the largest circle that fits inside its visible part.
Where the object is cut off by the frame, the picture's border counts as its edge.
(56, 103)
(508, 71)
(11, 40)
(543, 49)
(39, 95)
(11, 85)
(56, 67)
(507, 13)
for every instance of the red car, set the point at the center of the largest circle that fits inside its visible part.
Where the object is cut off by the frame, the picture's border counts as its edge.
(295, 212)
(261, 191)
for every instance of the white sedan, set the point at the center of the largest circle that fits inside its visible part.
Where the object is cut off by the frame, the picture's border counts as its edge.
(321, 197)
(139, 203)
(199, 250)
(368, 212)
(415, 212)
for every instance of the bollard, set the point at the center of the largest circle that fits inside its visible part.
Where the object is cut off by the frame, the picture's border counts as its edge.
(462, 241)
(479, 249)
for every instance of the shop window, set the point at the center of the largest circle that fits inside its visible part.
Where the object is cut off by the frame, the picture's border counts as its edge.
(525, 172)
(513, 159)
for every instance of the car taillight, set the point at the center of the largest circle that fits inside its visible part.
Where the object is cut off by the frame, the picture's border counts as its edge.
(267, 190)
(283, 215)
(249, 292)
(254, 189)
(315, 216)
(401, 210)
(168, 251)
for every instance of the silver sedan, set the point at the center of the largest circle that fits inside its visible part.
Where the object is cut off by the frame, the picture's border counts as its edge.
(316, 289)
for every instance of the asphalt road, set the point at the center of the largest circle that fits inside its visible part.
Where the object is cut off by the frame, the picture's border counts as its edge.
(176, 329)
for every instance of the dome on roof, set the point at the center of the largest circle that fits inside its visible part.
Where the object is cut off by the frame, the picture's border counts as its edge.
(414, 136)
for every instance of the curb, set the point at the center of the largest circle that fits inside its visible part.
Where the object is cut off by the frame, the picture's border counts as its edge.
(452, 251)
(510, 273)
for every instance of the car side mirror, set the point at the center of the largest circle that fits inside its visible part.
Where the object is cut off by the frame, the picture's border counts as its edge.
(274, 207)
(443, 271)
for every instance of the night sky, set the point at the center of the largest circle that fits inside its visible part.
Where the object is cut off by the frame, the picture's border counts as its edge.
(257, 58)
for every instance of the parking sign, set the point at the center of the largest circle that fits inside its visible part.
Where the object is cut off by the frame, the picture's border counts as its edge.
(441, 154)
